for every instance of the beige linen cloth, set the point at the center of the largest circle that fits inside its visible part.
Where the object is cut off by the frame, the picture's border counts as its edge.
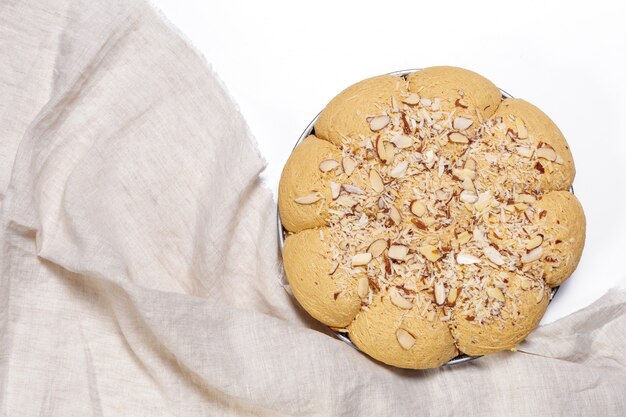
(140, 272)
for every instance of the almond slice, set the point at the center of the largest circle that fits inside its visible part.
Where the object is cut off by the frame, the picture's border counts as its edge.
(395, 215)
(464, 237)
(361, 259)
(363, 287)
(333, 267)
(559, 160)
(533, 255)
(399, 170)
(546, 153)
(412, 99)
(464, 173)
(390, 153)
(405, 339)
(377, 247)
(464, 258)
(430, 252)
(335, 189)
(462, 123)
(328, 165)
(376, 182)
(398, 300)
(379, 122)
(417, 208)
(457, 137)
(493, 255)
(349, 165)
(470, 164)
(534, 242)
(436, 104)
(452, 295)
(468, 197)
(309, 199)
(402, 141)
(495, 293)
(345, 201)
(484, 200)
(353, 189)
(440, 293)
(524, 151)
(525, 198)
(398, 252)
(468, 185)
(426, 102)
(522, 132)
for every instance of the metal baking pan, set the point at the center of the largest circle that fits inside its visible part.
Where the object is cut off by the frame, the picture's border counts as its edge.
(282, 233)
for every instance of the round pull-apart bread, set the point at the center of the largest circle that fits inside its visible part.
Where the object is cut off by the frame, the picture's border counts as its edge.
(429, 217)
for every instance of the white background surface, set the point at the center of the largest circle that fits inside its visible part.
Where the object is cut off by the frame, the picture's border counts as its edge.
(283, 61)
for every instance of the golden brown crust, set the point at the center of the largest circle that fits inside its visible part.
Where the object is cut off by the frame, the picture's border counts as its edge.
(346, 114)
(564, 235)
(519, 315)
(474, 92)
(375, 332)
(331, 299)
(301, 177)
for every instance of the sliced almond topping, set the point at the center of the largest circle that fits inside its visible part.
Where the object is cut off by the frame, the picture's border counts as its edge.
(559, 160)
(335, 189)
(457, 137)
(395, 215)
(484, 200)
(349, 165)
(464, 258)
(379, 122)
(399, 170)
(493, 255)
(440, 293)
(479, 238)
(353, 189)
(436, 104)
(520, 206)
(345, 201)
(376, 182)
(412, 99)
(363, 287)
(468, 197)
(402, 141)
(533, 255)
(429, 221)
(546, 153)
(524, 151)
(426, 102)
(418, 208)
(390, 153)
(468, 185)
(333, 267)
(470, 164)
(328, 165)
(398, 300)
(464, 237)
(525, 284)
(405, 339)
(534, 242)
(361, 259)
(398, 252)
(309, 199)
(377, 247)
(525, 198)
(452, 296)
(464, 173)
(461, 123)
(495, 293)
(522, 132)
(430, 252)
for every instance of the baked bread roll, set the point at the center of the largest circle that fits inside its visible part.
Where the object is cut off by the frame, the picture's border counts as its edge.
(429, 217)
